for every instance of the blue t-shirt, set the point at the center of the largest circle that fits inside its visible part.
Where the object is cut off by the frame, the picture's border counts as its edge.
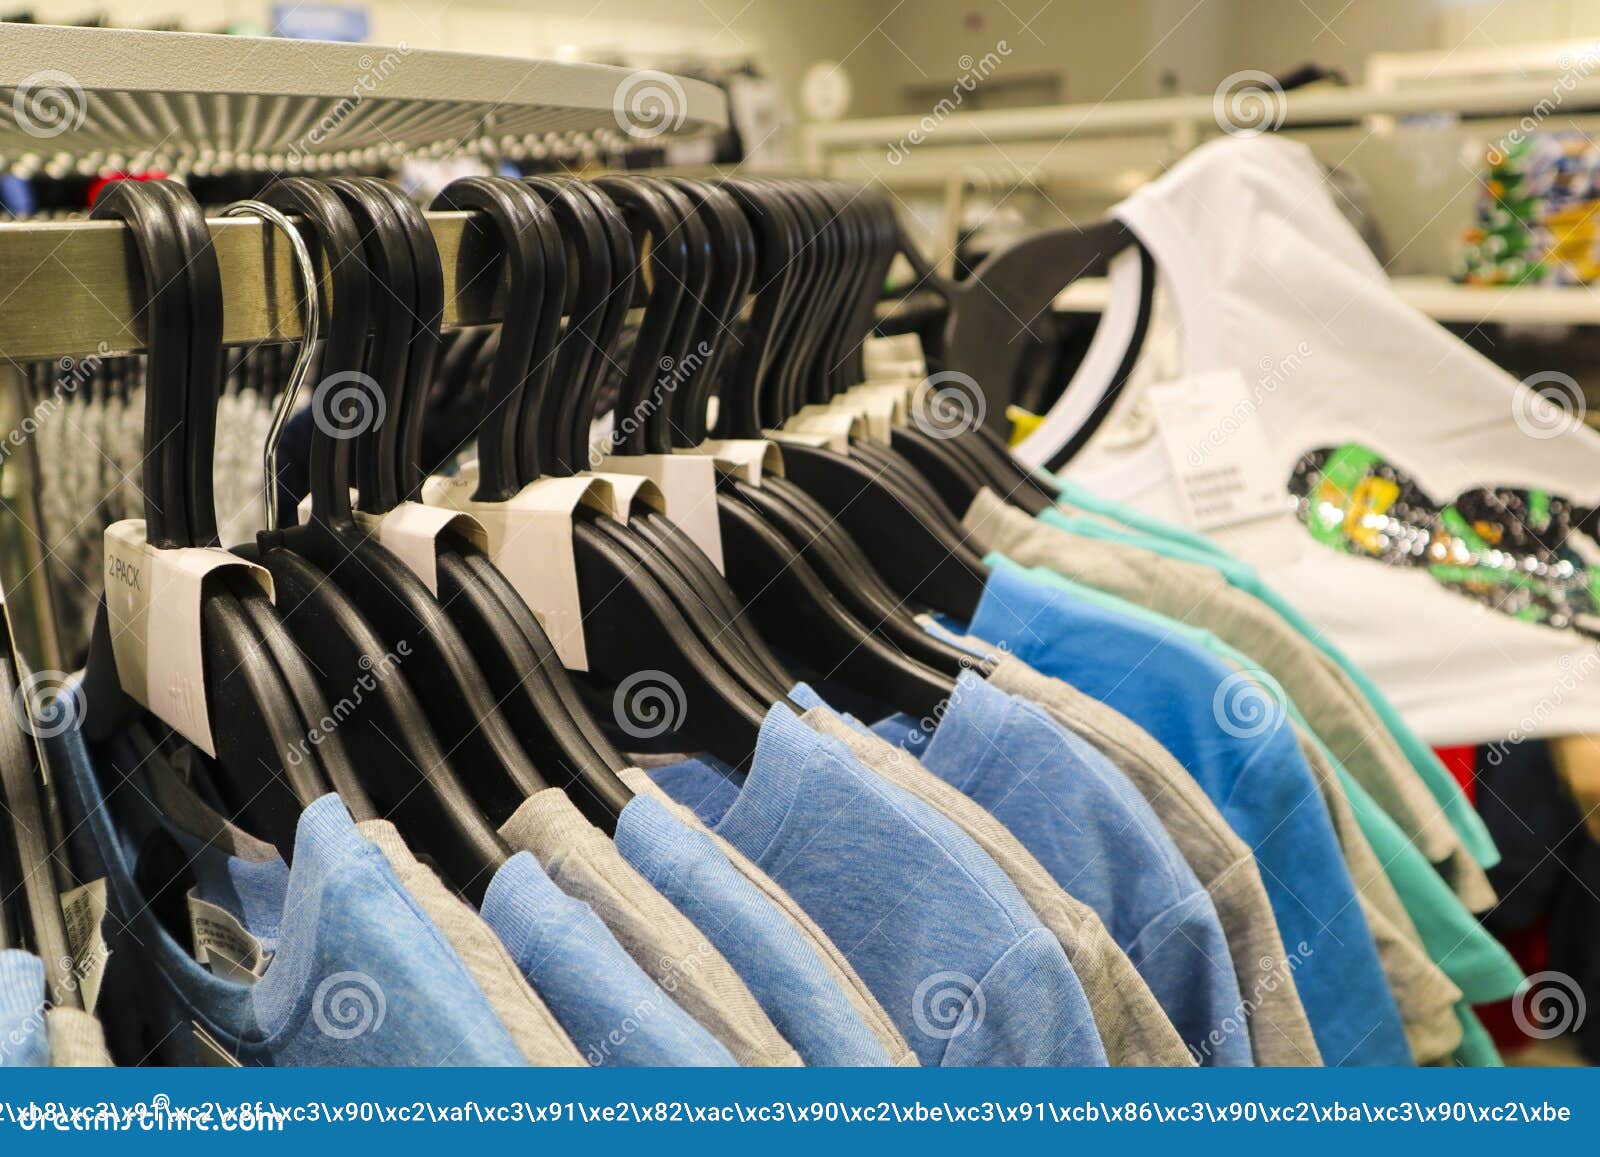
(1245, 758)
(24, 1044)
(1097, 837)
(359, 975)
(613, 1011)
(784, 973)
(930, 923)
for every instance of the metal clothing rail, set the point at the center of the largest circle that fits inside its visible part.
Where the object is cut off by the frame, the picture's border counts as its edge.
(67, 287)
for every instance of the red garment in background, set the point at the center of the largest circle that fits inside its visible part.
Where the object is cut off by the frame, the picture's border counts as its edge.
(1459, 762)
(101, 182)
(1530, 947)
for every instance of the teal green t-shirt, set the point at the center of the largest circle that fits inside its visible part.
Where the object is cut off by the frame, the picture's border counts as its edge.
(1161, 538)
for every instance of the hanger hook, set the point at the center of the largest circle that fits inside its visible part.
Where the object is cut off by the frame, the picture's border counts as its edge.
(312, 324)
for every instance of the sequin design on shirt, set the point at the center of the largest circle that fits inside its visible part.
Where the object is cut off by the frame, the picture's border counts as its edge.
(1506, 547)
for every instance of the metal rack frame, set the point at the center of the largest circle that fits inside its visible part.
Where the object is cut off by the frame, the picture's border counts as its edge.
(66, 287)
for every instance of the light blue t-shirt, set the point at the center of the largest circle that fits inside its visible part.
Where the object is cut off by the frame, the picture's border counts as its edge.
(930, 923)
(359, 976)
(784, 973)
(24, 1044)
(613, 1011)
(1097, 837)
(1245, 757)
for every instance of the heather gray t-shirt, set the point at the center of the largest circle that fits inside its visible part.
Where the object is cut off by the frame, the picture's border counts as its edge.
(533, 1027)
(76, 1040)
(663, 941)
(1425, 996)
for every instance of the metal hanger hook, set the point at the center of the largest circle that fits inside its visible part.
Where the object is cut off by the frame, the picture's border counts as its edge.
(312, 325)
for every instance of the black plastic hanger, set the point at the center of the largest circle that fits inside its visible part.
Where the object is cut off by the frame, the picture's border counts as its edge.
(385, 727)
(632, 624)
(525, 673)
(678, 263)
(330, 753)
(255, 724)
(1020, 281)
(400, 249)
(693, 350)
(810, 533)
(667, 345)
(916, 554)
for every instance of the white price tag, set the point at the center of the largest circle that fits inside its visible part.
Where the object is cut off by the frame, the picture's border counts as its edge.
(1223, 465)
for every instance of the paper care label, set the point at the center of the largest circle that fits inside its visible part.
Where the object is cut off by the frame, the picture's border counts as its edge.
(529, 538)
(224, 944)
(1211, 428)
(153, 604)
(688, 485)
(83, 910)
(747, 459)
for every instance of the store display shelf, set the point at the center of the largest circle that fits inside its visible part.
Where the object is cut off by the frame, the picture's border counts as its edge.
(1438, 297)
(93, 98)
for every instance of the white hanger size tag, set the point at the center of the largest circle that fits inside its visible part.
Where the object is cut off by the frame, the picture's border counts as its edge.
(529, 538)
(837, 424)
(745, 458)
(882, 406)
(153, 606)
(624, 495)
(688, 485)
(1211, 428)
(411, 532)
